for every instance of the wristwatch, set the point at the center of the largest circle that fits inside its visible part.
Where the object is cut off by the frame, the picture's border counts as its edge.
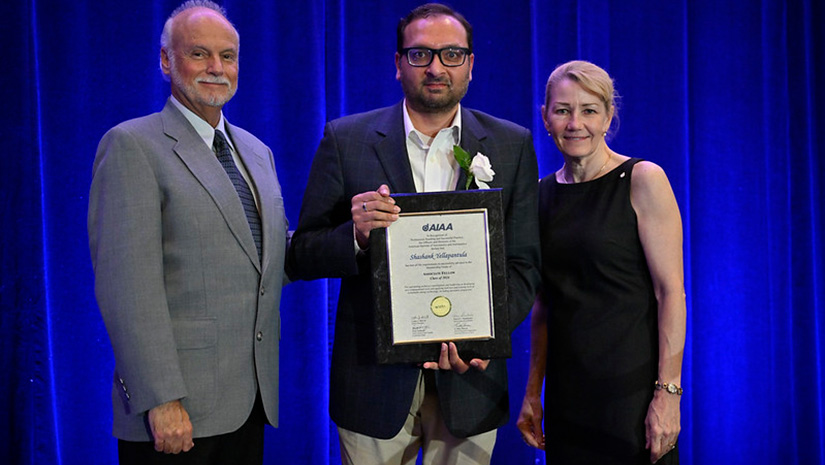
(669, 387)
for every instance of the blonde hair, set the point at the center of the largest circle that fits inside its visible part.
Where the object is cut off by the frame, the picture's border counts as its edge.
(593, 79)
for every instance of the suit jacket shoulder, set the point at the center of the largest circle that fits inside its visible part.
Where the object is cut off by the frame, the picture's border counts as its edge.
(381, 121)
(486, 120)
(247, 137)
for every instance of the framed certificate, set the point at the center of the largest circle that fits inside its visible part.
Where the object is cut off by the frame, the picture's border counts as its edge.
(439, 275)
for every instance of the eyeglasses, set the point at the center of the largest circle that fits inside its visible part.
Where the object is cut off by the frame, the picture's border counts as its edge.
(423, 56)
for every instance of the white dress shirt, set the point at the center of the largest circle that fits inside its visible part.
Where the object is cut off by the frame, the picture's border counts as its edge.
(434, 168)
(207, 133)
(433, 165)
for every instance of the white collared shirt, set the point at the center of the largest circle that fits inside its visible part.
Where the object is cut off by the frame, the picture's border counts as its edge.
(433, 165)
(207, 133)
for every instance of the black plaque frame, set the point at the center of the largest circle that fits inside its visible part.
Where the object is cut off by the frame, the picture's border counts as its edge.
(497, 347)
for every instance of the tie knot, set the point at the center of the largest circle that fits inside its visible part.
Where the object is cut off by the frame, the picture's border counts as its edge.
(219, 143)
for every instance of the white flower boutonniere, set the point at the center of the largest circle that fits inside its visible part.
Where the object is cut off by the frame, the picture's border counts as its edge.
(478, 168)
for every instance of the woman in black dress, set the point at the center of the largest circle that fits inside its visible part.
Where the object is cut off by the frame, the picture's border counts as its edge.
(608, 326)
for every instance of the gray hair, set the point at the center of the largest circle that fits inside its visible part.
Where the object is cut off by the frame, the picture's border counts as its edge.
(166, 34)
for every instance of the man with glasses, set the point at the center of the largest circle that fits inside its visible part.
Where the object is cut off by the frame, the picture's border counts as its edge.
(451, 408)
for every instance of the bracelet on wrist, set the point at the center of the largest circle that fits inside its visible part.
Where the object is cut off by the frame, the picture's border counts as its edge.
(670, 388)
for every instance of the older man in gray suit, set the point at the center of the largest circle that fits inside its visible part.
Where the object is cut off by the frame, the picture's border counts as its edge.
(188, 236)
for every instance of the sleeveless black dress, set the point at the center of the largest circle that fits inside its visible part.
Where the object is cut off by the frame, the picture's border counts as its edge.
(602, 341)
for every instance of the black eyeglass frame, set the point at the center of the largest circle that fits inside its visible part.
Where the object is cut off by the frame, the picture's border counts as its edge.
(433, 53)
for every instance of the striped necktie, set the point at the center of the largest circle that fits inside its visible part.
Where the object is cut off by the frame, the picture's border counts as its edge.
(221, 148)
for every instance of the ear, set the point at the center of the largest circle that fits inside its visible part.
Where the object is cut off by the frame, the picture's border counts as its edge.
(544, 118)
(397, 66)
(609, 119)
(164, 62)
(472, 59)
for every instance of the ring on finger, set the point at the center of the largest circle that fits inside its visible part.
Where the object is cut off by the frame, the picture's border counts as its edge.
(364, 206)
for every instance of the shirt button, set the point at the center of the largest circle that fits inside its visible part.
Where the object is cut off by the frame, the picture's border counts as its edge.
(259, 336)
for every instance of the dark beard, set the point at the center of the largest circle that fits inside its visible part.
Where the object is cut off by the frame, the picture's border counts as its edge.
(421, 101)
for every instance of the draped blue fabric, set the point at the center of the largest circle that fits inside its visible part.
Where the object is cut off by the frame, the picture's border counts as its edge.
(727, 96)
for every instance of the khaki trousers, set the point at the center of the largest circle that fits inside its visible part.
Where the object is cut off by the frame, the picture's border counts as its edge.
(424, 430)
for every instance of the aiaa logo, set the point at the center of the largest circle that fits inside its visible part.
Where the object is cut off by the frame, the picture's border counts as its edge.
(437, 227)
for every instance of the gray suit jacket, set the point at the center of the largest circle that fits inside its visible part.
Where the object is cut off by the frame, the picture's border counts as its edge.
(357, 154)
(190, 311)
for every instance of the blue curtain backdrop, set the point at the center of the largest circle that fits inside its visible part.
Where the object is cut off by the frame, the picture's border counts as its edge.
(726, 96)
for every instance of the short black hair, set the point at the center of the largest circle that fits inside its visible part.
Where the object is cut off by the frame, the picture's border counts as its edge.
(432, 9)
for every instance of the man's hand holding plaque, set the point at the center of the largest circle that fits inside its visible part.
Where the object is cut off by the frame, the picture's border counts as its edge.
(370, 210)
(450, 361)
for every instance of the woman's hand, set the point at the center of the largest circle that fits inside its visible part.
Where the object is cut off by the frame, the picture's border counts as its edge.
(530, 421)
(662, 424)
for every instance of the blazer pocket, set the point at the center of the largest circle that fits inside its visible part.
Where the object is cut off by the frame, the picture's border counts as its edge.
(197, 342)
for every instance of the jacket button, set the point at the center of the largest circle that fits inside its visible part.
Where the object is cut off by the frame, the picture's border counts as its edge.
(263, 290)
(259, 336)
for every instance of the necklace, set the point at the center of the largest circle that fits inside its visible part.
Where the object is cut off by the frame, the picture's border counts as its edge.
(570, 179)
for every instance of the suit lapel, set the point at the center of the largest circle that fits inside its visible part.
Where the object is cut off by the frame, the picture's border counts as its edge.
(472, 135)
(392, 147)
(205, 167)
(391, 150)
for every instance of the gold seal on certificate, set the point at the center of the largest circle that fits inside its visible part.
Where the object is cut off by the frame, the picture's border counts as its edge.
(440, 306)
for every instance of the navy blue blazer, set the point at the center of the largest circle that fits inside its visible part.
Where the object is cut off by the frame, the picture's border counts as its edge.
(357, 154)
